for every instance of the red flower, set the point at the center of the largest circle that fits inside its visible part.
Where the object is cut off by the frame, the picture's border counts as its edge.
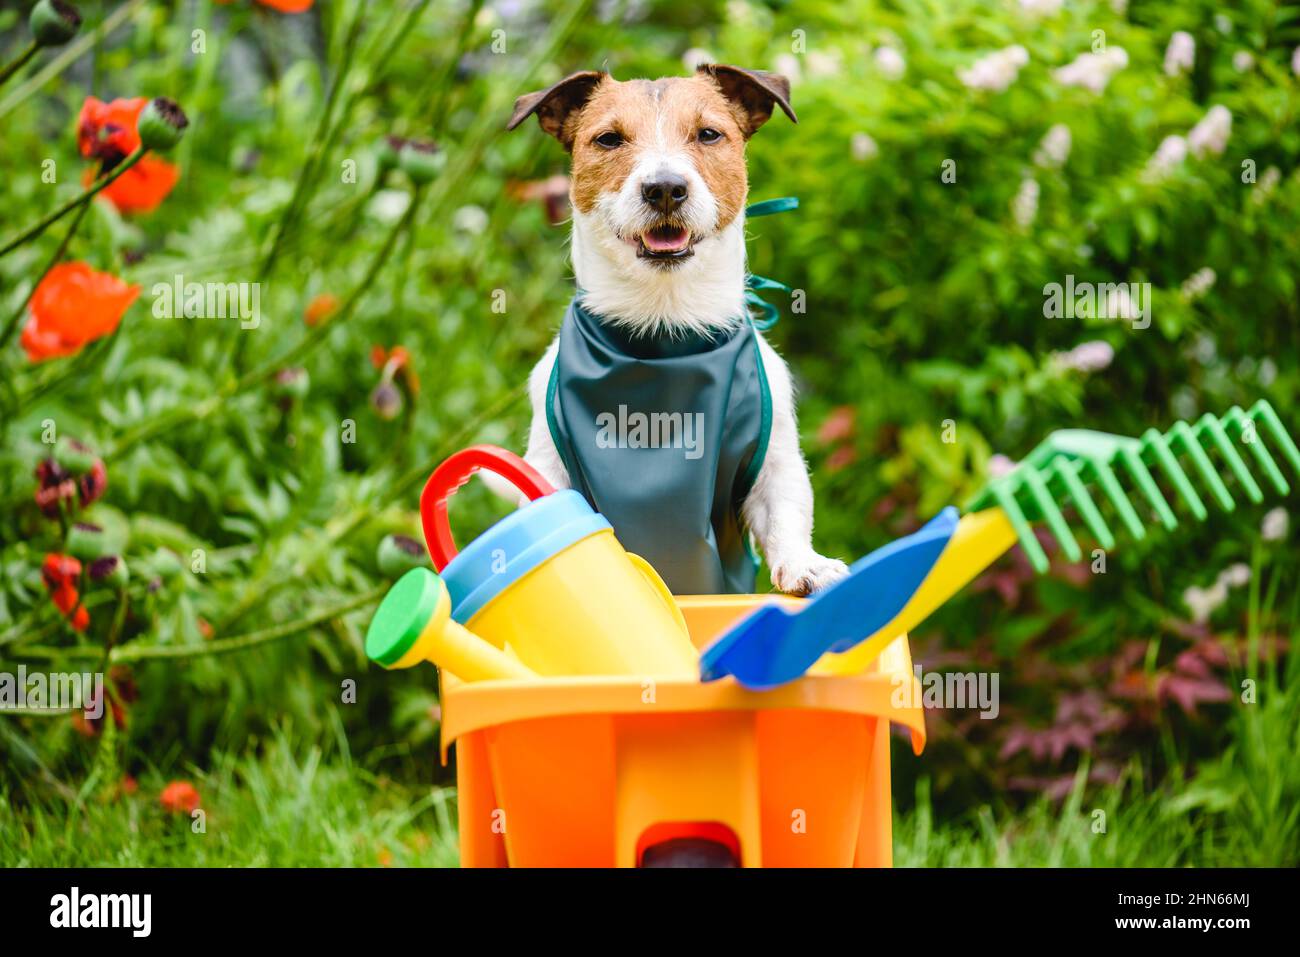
(380, 357)
(59, 569)
(288, 6)
(179, 796)
(320, 309)
(92, 485)
(284, 6)
(395, 360)
(838, 426)
(107, 132)
(59, 572)
(141, 188)
(73, 305)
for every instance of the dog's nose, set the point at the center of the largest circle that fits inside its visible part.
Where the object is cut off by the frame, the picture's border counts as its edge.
(665, 192)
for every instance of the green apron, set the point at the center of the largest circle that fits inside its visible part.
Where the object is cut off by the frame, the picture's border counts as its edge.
(665, 439)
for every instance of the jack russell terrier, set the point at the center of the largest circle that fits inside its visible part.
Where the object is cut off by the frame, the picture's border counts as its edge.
(659, 401)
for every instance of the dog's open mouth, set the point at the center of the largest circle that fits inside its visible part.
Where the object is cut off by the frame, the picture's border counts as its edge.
(665, 242)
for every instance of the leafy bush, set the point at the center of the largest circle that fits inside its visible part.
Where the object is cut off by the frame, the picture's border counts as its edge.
(251, 473)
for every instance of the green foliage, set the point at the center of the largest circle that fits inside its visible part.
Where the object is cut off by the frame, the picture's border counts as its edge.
(250, 507)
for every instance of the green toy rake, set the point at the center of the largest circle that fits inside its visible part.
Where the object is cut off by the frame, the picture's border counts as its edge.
(1060, 466)
(1061, 470)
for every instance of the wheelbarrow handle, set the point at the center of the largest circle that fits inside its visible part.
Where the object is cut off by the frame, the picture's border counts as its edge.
(454, 472)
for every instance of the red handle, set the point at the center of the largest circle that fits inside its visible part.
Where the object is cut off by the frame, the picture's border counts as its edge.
(454, 472)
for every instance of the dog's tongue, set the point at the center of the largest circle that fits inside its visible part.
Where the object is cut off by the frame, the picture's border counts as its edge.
(665, 239)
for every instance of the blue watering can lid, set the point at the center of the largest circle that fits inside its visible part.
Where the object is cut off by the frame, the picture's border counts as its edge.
(516, 545)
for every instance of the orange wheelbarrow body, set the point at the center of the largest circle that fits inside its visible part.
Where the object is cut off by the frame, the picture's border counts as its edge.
(590, 771)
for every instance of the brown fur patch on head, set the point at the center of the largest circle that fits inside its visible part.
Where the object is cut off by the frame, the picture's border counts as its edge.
(653, 115)
(663, 115)
(557, 103)
(753, 93)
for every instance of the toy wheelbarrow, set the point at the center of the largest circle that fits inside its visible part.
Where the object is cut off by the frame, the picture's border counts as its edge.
(595, 771)
(584, 736)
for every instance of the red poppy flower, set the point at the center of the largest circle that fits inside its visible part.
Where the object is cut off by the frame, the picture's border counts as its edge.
(141, 188)
(92, 485)
(107, 132)
(68, 600)
(179, 796)
(284, 6)
(398, 356)
(288, 6)
(58, 569)
(59, 572)
(395, 360)
(320, 309)
(71, 306)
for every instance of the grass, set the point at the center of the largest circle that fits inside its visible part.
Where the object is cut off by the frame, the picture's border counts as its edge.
(311, 806)
(288, 807)
(292, 802)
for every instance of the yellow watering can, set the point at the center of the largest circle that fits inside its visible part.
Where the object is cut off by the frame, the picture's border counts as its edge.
(551, 583)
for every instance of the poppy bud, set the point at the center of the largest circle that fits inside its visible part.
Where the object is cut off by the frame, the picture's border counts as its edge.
(109, 570)
(50, 473)
(86, 541)
(53, 22)
(55, 485)
(161, 124)
(76, 457)
(420, 160)
(92, 485)
(386, 400)
(387, 152)
(398, 554)
(292, 383)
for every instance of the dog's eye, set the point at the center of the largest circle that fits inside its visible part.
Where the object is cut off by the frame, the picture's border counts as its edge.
(709, 135)
(609, 140)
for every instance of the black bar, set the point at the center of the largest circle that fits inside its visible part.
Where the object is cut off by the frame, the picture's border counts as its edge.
(483, 908)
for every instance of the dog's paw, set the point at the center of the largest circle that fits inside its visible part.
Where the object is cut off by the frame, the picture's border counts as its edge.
(808, 573)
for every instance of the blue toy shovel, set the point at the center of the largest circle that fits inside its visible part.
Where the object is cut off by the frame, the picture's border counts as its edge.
(774, 646)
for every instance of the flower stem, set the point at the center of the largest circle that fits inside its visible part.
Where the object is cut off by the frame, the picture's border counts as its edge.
(84, 41)
(13, 67)
(134, 652)
(54, 261)
(316, 149)
(181, 415)
(91, 191)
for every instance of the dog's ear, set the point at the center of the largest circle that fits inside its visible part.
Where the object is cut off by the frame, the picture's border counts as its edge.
(755, 92)
(554, 105)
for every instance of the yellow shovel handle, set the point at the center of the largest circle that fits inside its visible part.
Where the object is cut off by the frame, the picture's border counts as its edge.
(980, 539)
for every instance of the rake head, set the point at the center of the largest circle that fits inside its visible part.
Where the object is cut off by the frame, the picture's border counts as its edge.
(1068, 461)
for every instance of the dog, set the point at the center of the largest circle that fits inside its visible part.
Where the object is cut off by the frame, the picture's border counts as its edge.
(658, 189)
